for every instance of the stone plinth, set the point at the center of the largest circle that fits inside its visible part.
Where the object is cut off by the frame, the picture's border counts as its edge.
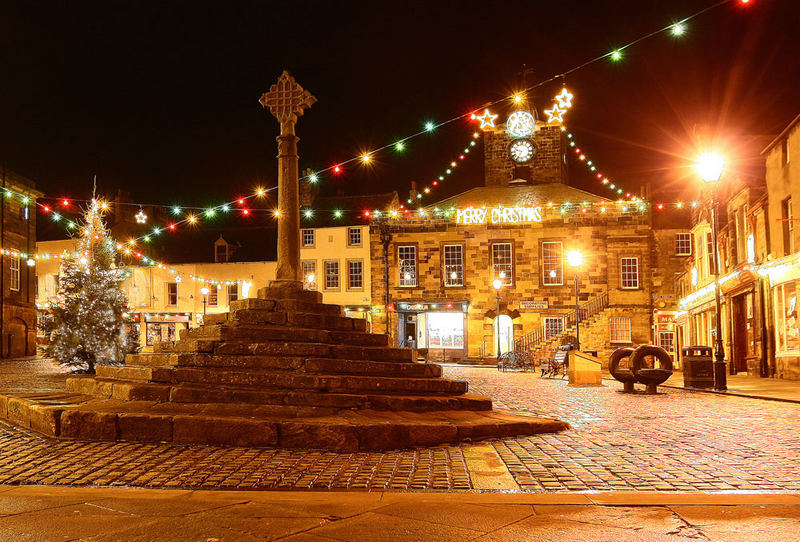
(584, 369)
(283, 369)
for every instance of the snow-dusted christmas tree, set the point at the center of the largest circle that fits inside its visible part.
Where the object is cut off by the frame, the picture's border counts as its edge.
(87, 327)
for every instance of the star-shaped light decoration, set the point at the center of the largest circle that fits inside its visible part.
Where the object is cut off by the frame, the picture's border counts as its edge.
(564, 99)
(555, 114)
(487, 119)
(141, 218)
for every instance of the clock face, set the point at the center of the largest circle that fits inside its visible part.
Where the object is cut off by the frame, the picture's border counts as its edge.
(521, 151)
(520, 124)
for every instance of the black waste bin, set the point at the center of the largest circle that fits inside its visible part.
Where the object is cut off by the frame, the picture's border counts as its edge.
(698, 367)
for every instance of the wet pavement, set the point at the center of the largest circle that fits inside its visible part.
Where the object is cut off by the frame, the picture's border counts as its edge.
(677, 441)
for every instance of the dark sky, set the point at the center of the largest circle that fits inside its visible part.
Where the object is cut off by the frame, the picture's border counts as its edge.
(161, 98)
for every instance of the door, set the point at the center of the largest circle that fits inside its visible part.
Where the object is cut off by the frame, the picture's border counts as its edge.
(503, 333)
(739, 334)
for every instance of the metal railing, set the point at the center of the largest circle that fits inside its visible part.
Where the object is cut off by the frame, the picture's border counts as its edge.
(535, 339)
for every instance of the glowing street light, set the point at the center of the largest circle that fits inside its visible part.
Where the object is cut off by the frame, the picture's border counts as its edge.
(709, 167)
(204, 291)
(575, 260)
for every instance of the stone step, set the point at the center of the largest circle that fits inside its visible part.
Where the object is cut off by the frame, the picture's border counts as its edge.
(417, 403)
(153, 360)
(82, 417)
(280, 293)
(319, 382)
(262, 332)
(366, 353)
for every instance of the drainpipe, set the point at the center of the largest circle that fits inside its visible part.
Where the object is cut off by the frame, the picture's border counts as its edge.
(386, 239)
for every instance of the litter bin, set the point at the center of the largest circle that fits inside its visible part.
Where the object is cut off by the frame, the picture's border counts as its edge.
(698, 367)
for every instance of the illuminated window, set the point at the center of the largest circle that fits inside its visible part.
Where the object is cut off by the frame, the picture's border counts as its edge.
(354, 237)
(552, 263)
(213, 295)
(332, 274)
(786, 324)
(355, 274)
(14, 281)
(666, 340)
(553, 326)
(172, 293)
(309, 270)
(503, 262)
(683, 244)
(619, 328)
(233, 293)
(407, 257)
(308, 237)
(453, 265)
(629, 272)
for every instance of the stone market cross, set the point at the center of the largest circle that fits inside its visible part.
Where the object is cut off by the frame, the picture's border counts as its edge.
(286, 100)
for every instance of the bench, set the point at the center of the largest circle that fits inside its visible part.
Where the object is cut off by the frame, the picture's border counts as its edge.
(557, 364)
(516, 360)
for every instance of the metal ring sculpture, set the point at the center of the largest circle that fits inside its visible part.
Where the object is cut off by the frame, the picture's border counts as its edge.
(624, 375)
(651, 376)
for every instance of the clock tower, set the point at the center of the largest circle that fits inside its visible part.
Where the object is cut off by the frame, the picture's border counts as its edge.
(523, 149)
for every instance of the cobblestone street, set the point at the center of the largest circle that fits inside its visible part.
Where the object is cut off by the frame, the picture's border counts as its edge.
(678, 441)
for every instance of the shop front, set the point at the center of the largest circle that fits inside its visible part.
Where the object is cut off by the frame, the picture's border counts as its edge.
(440, 328)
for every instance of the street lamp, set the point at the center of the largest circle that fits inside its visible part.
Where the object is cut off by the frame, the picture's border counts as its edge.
(709, 166)
(575, 259)
(204, 291)
(498, 285)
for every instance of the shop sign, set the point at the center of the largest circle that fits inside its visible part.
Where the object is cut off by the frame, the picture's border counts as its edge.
(498, 215)
(534, 305)
(665, 318)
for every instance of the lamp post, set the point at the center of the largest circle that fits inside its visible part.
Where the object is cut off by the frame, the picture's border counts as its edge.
(709, 166)
(204, 291)
(575, 259)
(498, 285)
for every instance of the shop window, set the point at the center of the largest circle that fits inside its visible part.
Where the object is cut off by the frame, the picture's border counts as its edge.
(355, 274)
(213, 295)
(172, 293)
(233, 293)
(308, 237)
(332, 275)
(14, 281)
(552, 263)
(354, 237)
(553, 326)
(788, 226)
(683, 244)
(503, 262)
(666, 340)
(309, 270)
(629, 268)
(619, 328)
(786, 324)
(453, 265)
(407, 256)
(446, 330)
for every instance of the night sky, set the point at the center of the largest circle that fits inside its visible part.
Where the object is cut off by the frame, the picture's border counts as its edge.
(161, 98)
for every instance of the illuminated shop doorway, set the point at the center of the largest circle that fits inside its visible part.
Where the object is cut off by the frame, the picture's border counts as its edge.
(504, 329)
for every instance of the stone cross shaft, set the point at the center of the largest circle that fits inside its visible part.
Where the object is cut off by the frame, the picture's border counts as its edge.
(287, 100)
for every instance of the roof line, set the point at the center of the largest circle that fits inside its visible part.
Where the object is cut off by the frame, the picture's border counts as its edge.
(780, 136)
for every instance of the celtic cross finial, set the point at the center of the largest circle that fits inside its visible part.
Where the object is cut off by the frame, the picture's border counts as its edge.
(286, 100)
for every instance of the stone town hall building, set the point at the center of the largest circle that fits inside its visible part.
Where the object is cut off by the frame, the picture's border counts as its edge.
(518, 226)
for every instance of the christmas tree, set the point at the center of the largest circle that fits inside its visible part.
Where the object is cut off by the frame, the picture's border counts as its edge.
(86, 327)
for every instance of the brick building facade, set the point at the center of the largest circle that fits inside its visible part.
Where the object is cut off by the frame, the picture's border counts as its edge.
(17, 277)
(518, 227)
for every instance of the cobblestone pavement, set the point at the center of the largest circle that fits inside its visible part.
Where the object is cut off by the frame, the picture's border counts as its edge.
(675, 441)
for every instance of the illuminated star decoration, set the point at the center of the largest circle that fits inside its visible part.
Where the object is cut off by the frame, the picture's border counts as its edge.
(564, 99)
(141, 218)
(555, 114)
(487, 119)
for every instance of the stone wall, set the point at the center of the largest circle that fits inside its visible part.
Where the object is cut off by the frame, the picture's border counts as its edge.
(547, 165)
